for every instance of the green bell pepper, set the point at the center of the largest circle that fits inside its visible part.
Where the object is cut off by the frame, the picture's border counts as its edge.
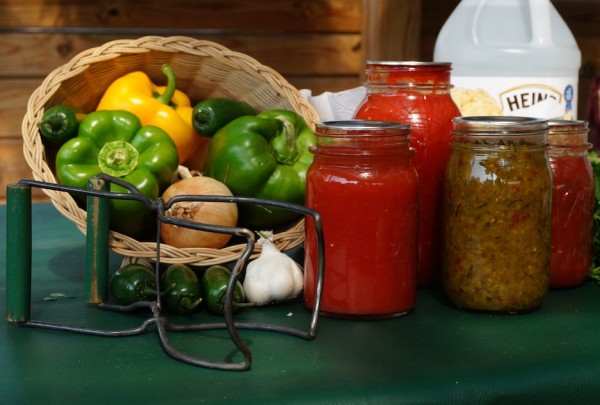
(115, 143)
(264, 156)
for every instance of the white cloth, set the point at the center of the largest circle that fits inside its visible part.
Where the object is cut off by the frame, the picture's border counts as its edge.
(336, 106)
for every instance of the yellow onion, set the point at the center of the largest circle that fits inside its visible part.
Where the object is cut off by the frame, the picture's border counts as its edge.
(213, 213)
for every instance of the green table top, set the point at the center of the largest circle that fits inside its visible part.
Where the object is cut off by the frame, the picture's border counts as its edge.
(437, 354)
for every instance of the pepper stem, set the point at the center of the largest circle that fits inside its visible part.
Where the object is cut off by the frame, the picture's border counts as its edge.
(56, 123)
(187, 303)
(118, 158)
(166, 97)
(147, 291)
(236, 304)
(284, 145)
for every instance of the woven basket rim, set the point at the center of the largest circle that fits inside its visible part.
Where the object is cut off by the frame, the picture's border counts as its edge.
(35, 153)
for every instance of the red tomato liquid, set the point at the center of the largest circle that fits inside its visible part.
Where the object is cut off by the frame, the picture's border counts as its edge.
(370, 223)
(431, 119)
(572, 213)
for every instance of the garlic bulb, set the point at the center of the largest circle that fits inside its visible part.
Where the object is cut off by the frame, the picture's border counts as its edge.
(273, 276)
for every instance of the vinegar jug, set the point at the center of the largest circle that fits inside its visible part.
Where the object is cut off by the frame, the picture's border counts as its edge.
(512, 57)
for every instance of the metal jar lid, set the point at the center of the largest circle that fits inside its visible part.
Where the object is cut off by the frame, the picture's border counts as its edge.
(499, 125)
(360, 128)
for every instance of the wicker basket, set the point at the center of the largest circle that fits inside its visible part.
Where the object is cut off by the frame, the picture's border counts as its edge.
(203, 69)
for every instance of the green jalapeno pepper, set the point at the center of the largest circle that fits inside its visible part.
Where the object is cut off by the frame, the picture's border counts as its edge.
(214, 287)
(60, 123)
(183, 296)
(212, 114)
(132, 283)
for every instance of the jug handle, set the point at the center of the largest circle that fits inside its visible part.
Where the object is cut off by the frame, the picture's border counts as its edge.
(475, 21)
(541, 30)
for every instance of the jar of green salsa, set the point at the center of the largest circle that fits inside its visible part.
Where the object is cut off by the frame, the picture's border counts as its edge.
(497, 214)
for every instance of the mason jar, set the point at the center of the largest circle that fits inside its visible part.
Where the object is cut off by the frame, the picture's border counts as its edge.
(572, 203)
(418, 94)
(364, 186)
(497, 214)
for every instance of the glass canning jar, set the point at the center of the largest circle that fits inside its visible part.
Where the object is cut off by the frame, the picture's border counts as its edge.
(497, 214)
(572, 203)
(364, 186)
(418, 94)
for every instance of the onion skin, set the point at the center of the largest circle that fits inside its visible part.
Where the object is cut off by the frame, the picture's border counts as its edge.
(213, 213)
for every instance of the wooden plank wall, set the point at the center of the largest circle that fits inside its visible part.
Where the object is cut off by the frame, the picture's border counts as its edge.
(315, 44)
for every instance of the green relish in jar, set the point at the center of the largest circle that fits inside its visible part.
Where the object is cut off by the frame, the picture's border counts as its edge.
(497, 214)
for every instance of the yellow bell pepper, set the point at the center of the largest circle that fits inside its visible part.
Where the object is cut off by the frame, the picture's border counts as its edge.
(162, 106)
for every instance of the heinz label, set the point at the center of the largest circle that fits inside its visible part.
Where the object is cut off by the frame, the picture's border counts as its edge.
(548, 98)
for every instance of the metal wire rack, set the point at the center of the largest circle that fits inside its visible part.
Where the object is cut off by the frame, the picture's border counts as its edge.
(97, 196)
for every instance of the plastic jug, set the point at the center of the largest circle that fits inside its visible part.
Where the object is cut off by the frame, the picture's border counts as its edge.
(511, 57)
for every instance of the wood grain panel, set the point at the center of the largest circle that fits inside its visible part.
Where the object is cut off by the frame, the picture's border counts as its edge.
(13, 166)
(319, 85)
(391, 29)
(582, 16)
(187, 15)
(13, 104)
(301, 54)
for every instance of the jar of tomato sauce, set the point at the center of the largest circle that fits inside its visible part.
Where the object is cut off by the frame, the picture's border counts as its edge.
(364, 186)
(497, 214)
(572, 202)
(418, 94)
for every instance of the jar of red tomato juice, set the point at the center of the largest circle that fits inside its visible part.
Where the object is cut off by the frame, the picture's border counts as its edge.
(418, 94)
(572, 203)
(365, 188)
